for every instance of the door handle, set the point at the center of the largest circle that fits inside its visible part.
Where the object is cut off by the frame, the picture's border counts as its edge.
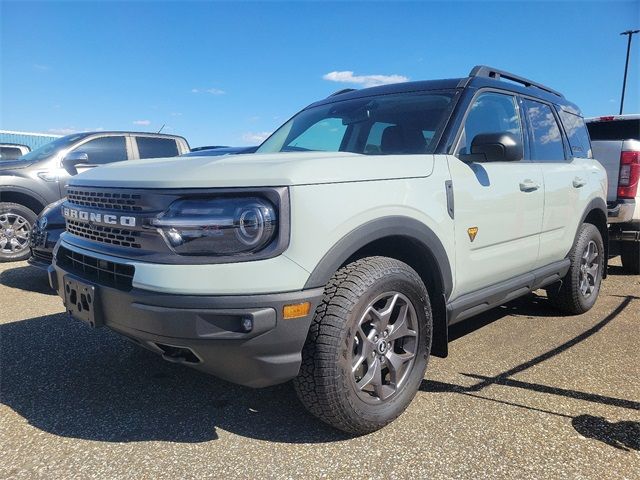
(529, 185)
(579, 182)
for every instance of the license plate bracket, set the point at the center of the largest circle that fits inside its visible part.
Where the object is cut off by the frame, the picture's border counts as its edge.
(81, 301)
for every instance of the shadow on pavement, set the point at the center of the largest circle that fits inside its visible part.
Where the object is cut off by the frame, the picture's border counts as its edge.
(622, 435)
(27, 278)
(70, 380)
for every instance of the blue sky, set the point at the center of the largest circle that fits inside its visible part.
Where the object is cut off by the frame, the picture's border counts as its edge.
(230, 72)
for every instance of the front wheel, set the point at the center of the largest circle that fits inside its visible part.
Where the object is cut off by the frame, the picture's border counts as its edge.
(581, 285)
(16, 223)
(368, 345)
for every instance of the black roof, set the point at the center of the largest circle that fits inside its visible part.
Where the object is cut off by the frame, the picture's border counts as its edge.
(480, 76)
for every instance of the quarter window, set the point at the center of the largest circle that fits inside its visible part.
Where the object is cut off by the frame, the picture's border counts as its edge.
(104, 150)
(490, 113)
(546, 139)
(577, 134)
(9, 153)
(156, 147)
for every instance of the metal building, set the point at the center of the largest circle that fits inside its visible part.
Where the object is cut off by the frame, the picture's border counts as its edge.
(31, 140)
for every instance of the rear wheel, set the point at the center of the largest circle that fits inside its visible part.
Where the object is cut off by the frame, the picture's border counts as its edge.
(581, 285)
(630, 255)
(16, 223)
(367, 349)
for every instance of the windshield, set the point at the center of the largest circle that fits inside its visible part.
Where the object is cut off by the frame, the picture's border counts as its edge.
(406, 123)
(50, 148)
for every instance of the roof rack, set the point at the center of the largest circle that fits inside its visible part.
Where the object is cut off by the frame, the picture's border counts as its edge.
(490, 72)
(340, 92)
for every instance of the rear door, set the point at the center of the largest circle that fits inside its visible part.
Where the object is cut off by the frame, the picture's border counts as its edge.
(566, 179)
(498, 205)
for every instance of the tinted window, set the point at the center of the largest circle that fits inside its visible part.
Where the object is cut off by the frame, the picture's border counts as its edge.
(9, 153)
(407, 123)
(546, 140)
(490, 113)
(104, 150)
(577, 134)
(153, 147)
(615, 130)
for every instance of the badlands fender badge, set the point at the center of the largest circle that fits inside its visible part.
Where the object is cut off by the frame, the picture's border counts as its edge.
(473, 231)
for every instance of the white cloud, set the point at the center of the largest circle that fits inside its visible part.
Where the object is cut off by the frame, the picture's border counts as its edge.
(255, 137)
(142, 122)
(63, 131)
(41, 67)
(212, 91)
(347, 76)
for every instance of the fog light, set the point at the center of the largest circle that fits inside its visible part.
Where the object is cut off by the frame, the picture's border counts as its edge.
(247, 324)
(296, 310)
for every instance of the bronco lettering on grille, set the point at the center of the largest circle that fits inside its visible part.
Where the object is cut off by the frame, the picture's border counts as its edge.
(107, 219)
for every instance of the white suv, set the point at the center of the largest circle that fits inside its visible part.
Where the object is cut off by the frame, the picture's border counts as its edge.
(339, 253)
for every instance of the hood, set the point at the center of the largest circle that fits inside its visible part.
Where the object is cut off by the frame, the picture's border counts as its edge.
(15, 164)
(255, 170)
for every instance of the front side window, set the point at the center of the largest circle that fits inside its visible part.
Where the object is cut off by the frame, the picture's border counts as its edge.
(399, 124)
(104, 150)
(490, 113)
(9, 153)
(156, 147)
(546, 141)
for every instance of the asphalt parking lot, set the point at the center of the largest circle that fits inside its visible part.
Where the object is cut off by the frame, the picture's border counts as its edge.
(524, 394)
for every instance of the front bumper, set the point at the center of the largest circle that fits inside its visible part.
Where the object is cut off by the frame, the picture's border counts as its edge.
(206, 332)
(42, 244)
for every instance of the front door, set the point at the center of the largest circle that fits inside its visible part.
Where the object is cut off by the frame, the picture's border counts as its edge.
(498, 205)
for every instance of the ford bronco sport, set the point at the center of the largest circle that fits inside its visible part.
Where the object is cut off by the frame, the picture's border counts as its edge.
(339, 253)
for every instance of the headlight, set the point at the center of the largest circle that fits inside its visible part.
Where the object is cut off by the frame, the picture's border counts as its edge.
(218, 226)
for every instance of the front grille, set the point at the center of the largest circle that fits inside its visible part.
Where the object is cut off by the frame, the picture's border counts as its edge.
(103, 272)
(45, 256)
(120, 237)
(83, 197)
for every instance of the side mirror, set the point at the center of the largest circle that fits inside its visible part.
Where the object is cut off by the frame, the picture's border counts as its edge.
(72, 160)
(497, 147)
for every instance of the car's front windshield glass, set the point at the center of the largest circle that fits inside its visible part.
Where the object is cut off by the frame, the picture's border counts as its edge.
(405, 123)
(50, 148)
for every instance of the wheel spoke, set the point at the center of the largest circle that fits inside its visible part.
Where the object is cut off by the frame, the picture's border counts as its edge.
(373, 375)
(400, 328)
(396, 363)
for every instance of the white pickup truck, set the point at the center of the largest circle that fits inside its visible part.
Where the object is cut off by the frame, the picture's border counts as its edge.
(615, 142)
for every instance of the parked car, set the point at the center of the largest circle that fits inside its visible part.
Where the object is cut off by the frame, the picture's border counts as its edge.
(615, 141)
(12, 151)
(38, 178)
(50, 223)
(340, 252)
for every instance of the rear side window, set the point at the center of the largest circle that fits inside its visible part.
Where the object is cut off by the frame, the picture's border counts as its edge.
(615, 130)
(104, 150)
(155, 147)
(577, 134)
(9, 153)
(546, 139)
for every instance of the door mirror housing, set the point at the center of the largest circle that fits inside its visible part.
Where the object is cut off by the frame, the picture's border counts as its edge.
(72, 160)
(497, 147)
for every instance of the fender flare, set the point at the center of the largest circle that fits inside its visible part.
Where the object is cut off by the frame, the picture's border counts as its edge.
(392, 226)
(25, 191)
(598, 204)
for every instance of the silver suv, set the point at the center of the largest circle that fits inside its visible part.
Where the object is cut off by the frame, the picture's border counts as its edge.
(340, 252)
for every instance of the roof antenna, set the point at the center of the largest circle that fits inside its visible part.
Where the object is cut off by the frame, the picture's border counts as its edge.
(161, 128)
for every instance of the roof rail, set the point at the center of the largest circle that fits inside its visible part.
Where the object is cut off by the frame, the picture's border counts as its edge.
(490, 72)
(340, 92)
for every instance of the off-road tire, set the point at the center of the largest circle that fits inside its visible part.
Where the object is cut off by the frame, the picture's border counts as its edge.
(568, 297)
(630, 256)
(325, 384)
(30, 216)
